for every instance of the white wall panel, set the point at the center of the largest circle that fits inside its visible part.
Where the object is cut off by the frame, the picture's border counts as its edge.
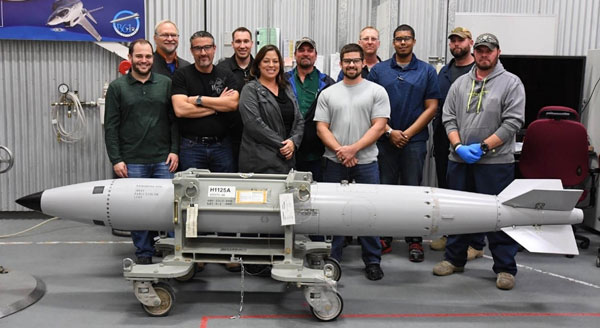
(578, 21)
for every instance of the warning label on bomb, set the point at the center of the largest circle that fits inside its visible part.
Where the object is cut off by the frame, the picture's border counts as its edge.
(221, 191)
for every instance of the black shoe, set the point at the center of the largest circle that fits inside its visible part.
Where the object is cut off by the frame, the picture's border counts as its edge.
(374, 271)
(143, 260)
(415, 252)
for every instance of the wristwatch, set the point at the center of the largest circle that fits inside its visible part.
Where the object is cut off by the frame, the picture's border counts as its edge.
(484, 148)
(199, 101)
(388, 133)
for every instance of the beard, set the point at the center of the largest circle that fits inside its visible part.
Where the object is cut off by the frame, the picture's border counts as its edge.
(305, 64)
(460, 52)
(352, 76)
(484, 66)
(135, 68)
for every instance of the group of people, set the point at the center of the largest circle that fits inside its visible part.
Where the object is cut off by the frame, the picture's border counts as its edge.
(247, 115)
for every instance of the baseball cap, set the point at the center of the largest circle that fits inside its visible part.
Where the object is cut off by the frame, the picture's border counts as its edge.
(487, 39)
(304, 40)
(461, 32)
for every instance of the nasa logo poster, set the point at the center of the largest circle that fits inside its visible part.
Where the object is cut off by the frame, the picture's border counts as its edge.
(72, 20)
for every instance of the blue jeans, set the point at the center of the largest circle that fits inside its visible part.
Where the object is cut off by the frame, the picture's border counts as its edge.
(402, 166)
(144, 240)
(361, 173)
(216, 157)
(311, 166)
(488, 179)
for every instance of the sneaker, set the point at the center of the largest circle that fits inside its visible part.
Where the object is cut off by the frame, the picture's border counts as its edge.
(415, 252)
(505, 281)
(373, 271)
(386, 244)
(439, 244)
(233, 267)
(143, 260)
(473, 253)
(445, 268)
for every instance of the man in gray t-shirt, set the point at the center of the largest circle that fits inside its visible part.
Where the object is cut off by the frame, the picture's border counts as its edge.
(351, 115)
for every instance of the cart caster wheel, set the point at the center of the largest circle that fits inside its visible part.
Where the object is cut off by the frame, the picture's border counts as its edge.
(598, 262)
(332, 268)
(167, 299)
(330, 311)
(188, 276)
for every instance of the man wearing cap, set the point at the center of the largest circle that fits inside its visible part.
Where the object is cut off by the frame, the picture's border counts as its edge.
(413, 89)
(460, 45)
(482, 113)
(368, 40)
(307, 81)
(239, 64)
(166, 38)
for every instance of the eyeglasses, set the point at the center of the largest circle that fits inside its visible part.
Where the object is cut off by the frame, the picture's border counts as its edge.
(372, 39)
(403, 38)
(206, 48)
(348, 61)
(168, 35)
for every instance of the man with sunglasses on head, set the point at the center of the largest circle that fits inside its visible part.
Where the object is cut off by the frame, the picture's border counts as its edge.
(483, 111)
(412, 86)
(166, 38)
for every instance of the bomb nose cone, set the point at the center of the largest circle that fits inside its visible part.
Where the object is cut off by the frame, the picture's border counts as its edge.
(33, 201)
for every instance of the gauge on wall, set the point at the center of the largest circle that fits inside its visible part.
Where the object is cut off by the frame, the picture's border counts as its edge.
(63, 88)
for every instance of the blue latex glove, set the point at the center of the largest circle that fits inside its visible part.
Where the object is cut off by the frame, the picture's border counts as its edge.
(470, 154)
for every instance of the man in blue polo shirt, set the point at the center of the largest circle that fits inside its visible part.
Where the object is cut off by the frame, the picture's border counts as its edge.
(412, 86)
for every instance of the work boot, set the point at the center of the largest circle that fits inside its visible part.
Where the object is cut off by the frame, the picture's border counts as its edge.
(386, 244)
(373, 271)
(473, 253)
(439, 244)
(446, 268)
(143, 260)
(505, 281)
(415, 252)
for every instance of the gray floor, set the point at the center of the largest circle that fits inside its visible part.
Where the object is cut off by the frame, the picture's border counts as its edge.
(81, 267)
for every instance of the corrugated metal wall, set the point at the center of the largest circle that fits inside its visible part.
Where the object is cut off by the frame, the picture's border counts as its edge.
(30, 71)
(30, 74)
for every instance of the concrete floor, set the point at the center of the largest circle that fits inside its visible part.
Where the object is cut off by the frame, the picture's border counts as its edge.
(81, 267)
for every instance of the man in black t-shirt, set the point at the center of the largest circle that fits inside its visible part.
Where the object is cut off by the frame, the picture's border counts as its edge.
(202, 95)
(239, 64)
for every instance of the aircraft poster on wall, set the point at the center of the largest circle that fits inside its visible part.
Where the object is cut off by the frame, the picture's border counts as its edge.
(72, 20)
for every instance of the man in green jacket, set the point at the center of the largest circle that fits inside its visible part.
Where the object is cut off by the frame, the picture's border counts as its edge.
(141, 134)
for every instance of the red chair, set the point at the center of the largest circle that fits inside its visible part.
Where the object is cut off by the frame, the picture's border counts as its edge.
(555, 146)
(558, 111)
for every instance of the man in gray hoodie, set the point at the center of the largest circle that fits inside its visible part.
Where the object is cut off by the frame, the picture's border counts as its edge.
(482, 113)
